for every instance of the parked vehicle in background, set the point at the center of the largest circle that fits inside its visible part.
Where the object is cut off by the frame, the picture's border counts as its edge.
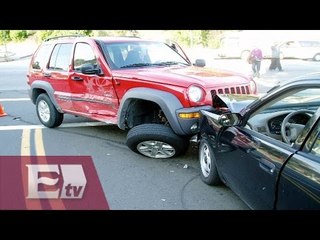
(266, 149)
(147, 87)
(240, 44)
(307, 50)
(300, 44)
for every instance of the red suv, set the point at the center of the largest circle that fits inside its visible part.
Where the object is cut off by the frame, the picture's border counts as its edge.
(150, 88)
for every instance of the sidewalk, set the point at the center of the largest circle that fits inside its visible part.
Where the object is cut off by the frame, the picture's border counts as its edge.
(15, 51)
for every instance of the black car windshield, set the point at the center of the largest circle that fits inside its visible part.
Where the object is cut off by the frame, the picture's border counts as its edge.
(132, 54)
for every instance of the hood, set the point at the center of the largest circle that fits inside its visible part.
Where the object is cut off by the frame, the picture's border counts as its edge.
(184, 76)
(234, 102)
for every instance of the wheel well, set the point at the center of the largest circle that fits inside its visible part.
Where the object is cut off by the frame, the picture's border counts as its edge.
(315, 57)
(35, 93)
(143, 111)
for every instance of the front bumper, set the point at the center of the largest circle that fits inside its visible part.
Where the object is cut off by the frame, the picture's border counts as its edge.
(189, 126)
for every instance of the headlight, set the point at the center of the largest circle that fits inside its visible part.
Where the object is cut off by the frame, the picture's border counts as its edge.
(253, 86)
(195, 93)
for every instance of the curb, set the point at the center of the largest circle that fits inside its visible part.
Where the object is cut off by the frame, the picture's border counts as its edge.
(12, 58)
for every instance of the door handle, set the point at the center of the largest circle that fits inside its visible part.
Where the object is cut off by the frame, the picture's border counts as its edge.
(76, 78)
(267, 166)
(47, 74)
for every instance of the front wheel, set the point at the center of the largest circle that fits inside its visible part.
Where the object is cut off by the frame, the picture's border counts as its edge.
(209, 171)
(156, 141)
(47, 113)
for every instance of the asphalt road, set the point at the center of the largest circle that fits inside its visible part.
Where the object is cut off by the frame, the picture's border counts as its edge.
(130, 181)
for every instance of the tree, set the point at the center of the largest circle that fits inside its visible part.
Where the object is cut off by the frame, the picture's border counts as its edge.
(18, 35)
(44, 34)
(4, 36)
(103, 33)
(205, 37)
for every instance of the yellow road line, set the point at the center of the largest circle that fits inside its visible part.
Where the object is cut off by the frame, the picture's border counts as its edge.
(35, 204)
(25, 142)
(25, 151)
(39, 143)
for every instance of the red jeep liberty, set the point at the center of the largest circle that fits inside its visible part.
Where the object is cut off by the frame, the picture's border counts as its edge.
(150, 88)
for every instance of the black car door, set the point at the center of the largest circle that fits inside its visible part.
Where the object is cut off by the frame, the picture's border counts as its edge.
(250, 156)
(299, 185)
(249, 163)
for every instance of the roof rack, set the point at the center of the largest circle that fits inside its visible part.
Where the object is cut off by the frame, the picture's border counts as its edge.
(65, 36)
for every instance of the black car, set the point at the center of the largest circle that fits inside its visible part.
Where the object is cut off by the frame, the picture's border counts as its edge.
(267, 148)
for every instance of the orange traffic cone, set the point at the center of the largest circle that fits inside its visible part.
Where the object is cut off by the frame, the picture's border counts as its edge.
(2, 113)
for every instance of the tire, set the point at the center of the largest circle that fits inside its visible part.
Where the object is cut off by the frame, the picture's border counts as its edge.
(209, 172)
(156, 141)
(316, 57)
(47, 113)
(244, 55)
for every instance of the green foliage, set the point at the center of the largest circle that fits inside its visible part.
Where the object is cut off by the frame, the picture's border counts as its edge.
(186, 38)
(4, 36)
(44, 34)
(115, 33)
(18, 35)
(204, 37)
(192, 38)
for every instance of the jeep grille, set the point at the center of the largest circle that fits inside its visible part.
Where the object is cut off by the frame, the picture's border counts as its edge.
(231, 90)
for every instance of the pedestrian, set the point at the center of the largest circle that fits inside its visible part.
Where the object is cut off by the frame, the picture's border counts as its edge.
(255, 59)
(275, 57)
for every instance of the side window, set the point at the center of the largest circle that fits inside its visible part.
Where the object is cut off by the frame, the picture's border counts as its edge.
(41, 57)
(313, 143)
(316, 147)
(60, 57)
(301, 104)
(83, 55)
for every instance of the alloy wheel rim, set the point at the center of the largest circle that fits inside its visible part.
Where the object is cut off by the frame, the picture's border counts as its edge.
(156, 149)
(205, 160)
(44, 111)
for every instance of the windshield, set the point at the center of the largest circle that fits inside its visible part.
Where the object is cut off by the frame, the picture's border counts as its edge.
(123, 55)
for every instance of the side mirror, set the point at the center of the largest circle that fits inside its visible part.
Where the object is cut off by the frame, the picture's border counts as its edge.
(88, 68)
(200, 63)
(174, 47)
(223, 120)
(230, 119)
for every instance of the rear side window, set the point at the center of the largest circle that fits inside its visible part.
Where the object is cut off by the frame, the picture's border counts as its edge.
(41, 57)
(60, 57)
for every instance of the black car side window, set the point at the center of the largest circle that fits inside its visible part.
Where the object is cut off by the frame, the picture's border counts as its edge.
(313, 143)
(283, 118)
(316, 147)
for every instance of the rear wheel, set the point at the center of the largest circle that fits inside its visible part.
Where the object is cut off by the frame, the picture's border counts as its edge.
(47, 113)
(156, 141)
(316, 57)
(244, 55)
(209, 172)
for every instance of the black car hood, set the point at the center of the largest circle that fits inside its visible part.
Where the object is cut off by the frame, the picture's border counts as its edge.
(234, 102)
